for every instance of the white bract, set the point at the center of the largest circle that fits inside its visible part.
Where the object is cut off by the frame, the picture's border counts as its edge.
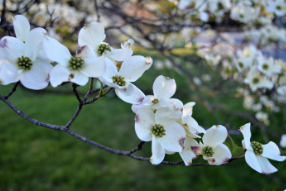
(164, 132)
(131, 69)
(256, 80)
(267, 66)
(212, 148)
(20, 54)
(257, 155)
(283, 141)
(76, 69)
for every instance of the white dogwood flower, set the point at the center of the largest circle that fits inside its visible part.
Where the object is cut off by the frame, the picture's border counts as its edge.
(267, 66)
(76, 69)
(212, 148)
(257, 155)
(164, 132)
(131, 69)
(256, 80)
(21, 56)
(278, 7)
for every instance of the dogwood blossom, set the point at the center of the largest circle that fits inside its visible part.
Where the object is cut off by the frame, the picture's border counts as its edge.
(212, 148)
(164, 132)
(76, 69)
(257, 155)
(21, 56)
(256, 80)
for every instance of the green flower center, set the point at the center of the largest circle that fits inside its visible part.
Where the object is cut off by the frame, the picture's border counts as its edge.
(76, 63)
(257, 147)
(158, 130)
(255, 80)
(278, 7)
(24, 63)
(102, 48)
(118, 80)
(240, 64)
(208, 151)
(241, 16)
(265, 66)
(155, 101)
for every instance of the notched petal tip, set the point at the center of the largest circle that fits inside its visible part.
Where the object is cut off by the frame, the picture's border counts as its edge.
(136, 118)
(148, 60)
(225, 161)
(3, 42)
(195, 149)
(181, 141)
(140, 100)
(86, 26)
(48, 79)
(211, 160)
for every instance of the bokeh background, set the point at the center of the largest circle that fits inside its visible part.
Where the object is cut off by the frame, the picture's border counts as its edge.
(37, 158)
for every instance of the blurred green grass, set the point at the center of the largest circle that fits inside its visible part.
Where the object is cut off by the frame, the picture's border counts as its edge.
(37, 158)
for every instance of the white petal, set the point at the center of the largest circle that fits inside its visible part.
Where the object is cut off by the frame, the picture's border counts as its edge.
(215, 136)
(252, 161)
(245, 130)
(58, 75)
(187, 157)
(266, 166)
(91, 34)
(8, 74)
(121, 54)
(21, 27)
(78, 78)
(164, 87)
(188, 108)
(221, 155)
(33, 43)
(133, 67)
(11, 49)
(110, 71)
(144, 121)
(133, 97)
(55, 51)
(189, 143)
(158, 152)
(94, 66)
(38, 77)
(164, 117)
(272, 151)
(174, 139)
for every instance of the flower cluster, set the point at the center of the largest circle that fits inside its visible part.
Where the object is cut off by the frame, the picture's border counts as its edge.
(36, 59)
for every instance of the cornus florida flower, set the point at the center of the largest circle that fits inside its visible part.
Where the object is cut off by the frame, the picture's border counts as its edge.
(267, 66)
(257, 155)
(76, 69)
(212, 148)
(164, 132)
(21, 59)
(278, 7)
(256, 80)
(93, 35)
(244, 63)
(131, 69)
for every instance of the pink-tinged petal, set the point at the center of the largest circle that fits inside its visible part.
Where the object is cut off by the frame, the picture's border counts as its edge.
(144, 104)
(174, 139)
(8, 74)
(221, 155)
(11, 49)
(133, 67)
(55, 51)
(252, 161)
(272, 152)
(189, 144)
(78, 78)
(135, 96)
(33, 43)
(59, 74)
(245, 130)
(144, 121)
(21, 27)
(188, 108)
(197, 149)
(91, 34)
(187, 157)
(266, 166)
(110, 71)
(164, 87)
(38, 77)
(215, 136)
(158, 152)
